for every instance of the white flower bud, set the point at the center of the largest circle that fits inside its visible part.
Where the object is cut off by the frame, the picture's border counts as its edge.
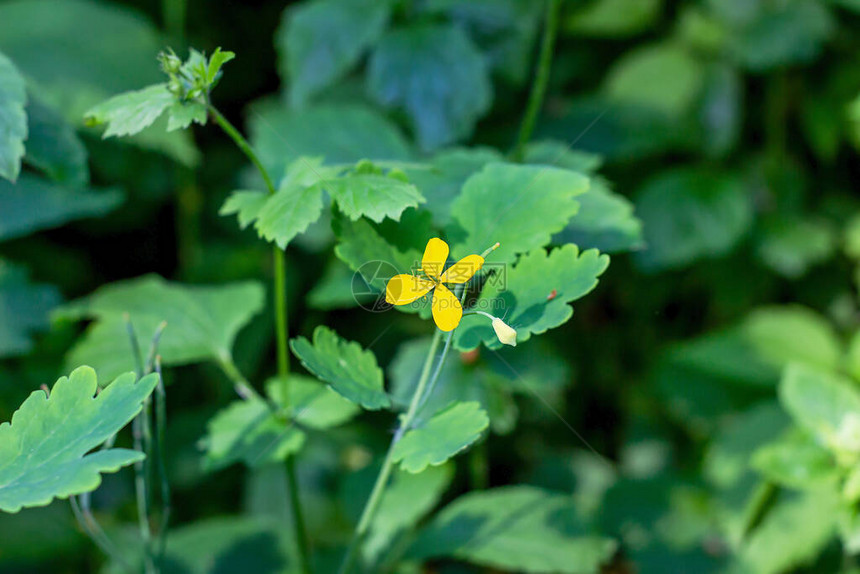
(506, 334)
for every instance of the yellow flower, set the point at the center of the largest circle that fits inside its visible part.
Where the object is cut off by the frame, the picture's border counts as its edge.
(447, 311)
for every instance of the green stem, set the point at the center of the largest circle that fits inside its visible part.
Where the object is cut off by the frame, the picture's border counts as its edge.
(388, 464)
(240, 383)
(243, 145)
(142, 443)
(281, 335)
(541, 80)
(91, 528)
(160, 442)
(281, 320)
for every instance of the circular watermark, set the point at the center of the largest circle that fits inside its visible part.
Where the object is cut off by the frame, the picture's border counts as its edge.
(368, 285)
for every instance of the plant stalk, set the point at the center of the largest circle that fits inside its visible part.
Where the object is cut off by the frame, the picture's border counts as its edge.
(142, 443)
(281, 336)
(372, 503)
(541, 81)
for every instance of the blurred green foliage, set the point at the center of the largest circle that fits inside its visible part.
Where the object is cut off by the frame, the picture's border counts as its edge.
(699, 413)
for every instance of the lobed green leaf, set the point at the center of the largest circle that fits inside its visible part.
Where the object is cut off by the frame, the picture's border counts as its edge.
(442, 437)
(519, 206)
(43, 451)
(534, 295)
(130, 112)
(350, 370)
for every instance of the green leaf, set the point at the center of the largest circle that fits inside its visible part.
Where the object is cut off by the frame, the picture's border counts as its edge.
(519, 206)
(769, 35)
(663, 77)
(449, 432)
(350, 370)
(59, 45)
(374, 196)
(297, 203)
(504, 30)
(336, 289)
(364, 250)
(795, 461)
(411, 63)
(691, 213)
(560, 154)
(605, 221)
(792, 333)
(341, 133)
(181, 114)
(825, 404)
(24, 308)
(202, 321)
(319, 42)
(614, 18)
(792, 534)
(246, 205)
(13, 119)
(33, 204)
(216, 62)
(311, 404)
(130, 112)
(249, 431)
(756, 351)
(236, 543)
(534, 295)
(791, 245)
(53, 146)
(409, 498)
(727, 459)
(514, 528)
(442, 180)
(43, 451)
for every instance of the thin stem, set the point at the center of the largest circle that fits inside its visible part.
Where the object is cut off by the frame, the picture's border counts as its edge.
(541, 80)
(91, 528)
(438, 370)
(281, 336)
(160, 442)
(142, 443)
(243, 145)
(388, 464)
(281, 320)
(240, 383)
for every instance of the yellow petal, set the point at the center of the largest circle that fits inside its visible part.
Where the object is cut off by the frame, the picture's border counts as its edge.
(462, 270)
(404, 289)
(447, 310)
(435, 255)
